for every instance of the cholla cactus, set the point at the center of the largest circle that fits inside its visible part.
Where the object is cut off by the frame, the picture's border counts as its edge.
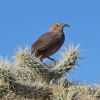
(68, 62)
(26, 78)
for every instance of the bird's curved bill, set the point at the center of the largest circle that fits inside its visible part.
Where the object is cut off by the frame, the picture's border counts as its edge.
(66, 25)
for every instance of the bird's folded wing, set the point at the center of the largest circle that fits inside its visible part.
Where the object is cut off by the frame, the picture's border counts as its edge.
(46, 41)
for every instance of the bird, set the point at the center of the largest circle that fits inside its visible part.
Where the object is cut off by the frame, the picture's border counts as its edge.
(50, 42)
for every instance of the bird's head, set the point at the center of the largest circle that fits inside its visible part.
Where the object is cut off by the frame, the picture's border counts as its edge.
(58, 27)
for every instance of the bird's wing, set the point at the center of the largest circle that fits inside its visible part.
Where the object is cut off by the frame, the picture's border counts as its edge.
(45, 41)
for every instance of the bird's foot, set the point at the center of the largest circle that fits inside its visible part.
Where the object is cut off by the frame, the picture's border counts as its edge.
(55, 61)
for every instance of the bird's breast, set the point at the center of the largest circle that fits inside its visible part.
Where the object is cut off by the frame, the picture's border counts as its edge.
(61, 38)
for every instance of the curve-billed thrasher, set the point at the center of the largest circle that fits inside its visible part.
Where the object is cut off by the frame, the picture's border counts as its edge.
(50, 42)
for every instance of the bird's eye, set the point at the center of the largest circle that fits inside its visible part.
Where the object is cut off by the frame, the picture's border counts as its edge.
(57, 25)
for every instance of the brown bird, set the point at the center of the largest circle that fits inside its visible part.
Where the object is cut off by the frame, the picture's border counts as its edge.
(50, 42)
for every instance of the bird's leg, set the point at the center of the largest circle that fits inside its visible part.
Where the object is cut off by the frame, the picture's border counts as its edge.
(41, 60)
(51, 58)
(55, 62)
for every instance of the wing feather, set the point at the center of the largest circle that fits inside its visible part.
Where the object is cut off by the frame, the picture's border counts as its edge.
(44, 42)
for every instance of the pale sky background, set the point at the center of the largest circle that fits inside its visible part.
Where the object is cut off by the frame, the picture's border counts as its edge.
(23, 21)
